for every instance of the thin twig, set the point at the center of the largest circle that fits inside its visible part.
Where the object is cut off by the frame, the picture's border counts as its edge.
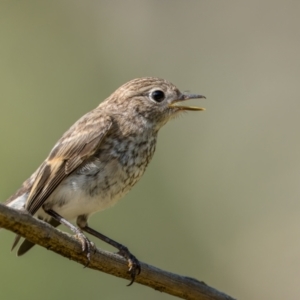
(45, 235)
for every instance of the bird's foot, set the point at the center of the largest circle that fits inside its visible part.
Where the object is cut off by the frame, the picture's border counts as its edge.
(86, 245)
(134, 267)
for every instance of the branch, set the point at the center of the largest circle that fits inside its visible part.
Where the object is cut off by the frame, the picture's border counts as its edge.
(45, 235)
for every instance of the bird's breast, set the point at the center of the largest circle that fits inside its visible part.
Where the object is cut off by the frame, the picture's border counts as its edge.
(103, 179)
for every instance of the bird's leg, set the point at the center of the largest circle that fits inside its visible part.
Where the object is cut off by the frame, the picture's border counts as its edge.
(85, 242)
(134, 267)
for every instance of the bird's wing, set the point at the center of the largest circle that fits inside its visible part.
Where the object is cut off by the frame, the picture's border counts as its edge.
(79, 143)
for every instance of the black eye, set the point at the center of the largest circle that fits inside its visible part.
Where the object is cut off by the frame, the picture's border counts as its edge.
(158, 96)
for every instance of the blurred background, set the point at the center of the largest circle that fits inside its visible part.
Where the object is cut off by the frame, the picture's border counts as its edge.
(220, 200)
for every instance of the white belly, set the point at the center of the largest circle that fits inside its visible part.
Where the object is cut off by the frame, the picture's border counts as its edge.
(82, 194)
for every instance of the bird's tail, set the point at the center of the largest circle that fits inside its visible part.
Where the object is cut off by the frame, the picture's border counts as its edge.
(27, 245)
(16, 202)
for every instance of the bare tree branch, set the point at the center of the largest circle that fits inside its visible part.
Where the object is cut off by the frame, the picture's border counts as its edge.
(45, 235)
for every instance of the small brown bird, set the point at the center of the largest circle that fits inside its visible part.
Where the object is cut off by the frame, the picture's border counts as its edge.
(99, 159)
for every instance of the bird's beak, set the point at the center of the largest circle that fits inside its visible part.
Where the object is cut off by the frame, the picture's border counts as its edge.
(184, 97)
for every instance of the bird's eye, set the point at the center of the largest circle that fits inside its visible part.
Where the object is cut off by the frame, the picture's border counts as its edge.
(158, 96)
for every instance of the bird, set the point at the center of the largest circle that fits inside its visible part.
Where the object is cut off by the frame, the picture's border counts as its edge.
(99, 159)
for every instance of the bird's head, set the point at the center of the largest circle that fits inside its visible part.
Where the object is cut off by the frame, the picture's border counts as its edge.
(154, 99)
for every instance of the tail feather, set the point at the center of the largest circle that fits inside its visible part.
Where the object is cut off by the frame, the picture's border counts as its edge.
(16, 241)
(27, 245)
(18, 201)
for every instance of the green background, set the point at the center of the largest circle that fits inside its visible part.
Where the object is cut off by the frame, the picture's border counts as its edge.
(220, 200)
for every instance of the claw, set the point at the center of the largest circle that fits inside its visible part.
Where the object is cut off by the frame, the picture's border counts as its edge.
(86, 246)
(134, 267)
(93, 246)
(132, 281)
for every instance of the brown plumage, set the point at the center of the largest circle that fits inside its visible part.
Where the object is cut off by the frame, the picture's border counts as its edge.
(99, 159)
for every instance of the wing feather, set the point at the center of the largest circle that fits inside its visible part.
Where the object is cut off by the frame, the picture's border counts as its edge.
(76, 145)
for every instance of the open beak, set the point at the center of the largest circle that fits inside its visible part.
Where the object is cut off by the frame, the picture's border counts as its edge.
(176, 103)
